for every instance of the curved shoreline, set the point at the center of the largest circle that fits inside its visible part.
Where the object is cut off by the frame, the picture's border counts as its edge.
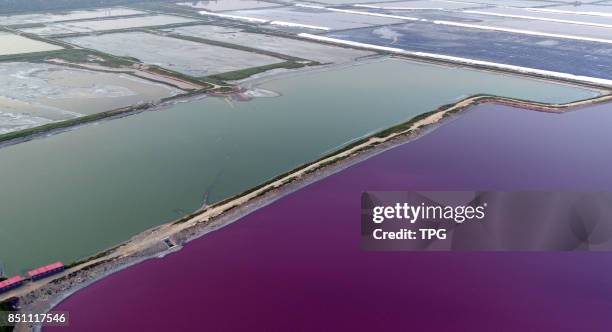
(43, 295)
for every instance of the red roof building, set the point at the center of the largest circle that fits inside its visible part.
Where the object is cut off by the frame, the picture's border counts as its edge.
(46, 271)
(11, 283)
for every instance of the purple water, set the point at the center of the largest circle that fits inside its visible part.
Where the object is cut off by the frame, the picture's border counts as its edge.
(296, 264)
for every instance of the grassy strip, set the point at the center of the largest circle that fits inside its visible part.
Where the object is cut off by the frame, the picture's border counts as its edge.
(244, 73)
(169, 8)
(44, 129)
(69, 123)
(132, 29)
(33, 57)
(83, 56)
(167, 72)
(234, 46)
(26, 26)
(62, 6)
(71, 55)
(90, 258)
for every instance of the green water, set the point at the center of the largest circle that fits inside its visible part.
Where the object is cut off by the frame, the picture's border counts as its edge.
(70, 195)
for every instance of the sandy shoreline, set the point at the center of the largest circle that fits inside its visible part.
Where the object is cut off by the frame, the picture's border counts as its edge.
(43, 295)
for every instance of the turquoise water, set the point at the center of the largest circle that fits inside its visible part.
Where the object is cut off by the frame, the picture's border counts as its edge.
(73, 194)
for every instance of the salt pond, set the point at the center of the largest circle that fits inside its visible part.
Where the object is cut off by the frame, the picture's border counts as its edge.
(90, 188)
(547, 15)
(315, 17)
(13, 44)
(184, 56)
(576, 29)
(297, 264)
(601, 9)
(33, 94)
(422, 4)
(293, 47)
(67, 16)
(575, 57)
(515, 3)
(221, 5)
(106, 25)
